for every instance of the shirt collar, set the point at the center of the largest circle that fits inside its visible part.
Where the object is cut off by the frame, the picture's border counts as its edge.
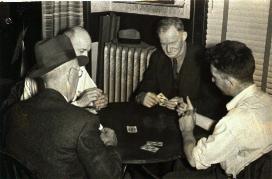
(180, 59)
(183, 51)
(65, 98)
(242, 95)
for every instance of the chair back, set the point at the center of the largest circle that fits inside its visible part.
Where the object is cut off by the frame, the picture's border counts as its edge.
(259, 169)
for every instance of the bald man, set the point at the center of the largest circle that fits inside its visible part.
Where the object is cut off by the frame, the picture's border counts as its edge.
(87, 92)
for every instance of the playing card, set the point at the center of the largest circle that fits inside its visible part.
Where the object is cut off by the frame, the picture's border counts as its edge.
(155, 143)
(132, 129)
(100, 127)
(150, 148)
(162, 99)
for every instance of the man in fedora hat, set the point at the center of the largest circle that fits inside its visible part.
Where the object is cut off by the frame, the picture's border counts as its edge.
(52, 137)
(87, 94)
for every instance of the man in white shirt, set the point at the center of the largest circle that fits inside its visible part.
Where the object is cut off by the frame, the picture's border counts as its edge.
(245, 133)
(86, 89)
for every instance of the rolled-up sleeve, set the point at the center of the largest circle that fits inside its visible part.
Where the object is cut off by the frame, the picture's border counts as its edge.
(99, 161)
(216, 148)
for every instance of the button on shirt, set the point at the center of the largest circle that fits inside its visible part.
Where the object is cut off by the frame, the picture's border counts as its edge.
(242, 136)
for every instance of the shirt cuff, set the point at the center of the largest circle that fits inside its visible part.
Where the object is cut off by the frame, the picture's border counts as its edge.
(198, 155)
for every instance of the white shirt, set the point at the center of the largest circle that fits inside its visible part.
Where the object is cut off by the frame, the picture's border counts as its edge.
(240, 137)
(84, 82)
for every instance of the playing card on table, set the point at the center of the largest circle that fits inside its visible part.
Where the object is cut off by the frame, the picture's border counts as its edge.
(155, 143)
(132, 129)
(162, 99)
(150, 148)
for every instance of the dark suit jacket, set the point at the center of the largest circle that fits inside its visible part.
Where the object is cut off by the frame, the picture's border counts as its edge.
(194, 80)
(159, 75)
(55, 139)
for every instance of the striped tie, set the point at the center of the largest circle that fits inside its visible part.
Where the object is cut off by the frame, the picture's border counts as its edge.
(175, 66)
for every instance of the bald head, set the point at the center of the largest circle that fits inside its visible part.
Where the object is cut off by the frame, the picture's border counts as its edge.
(80, 39)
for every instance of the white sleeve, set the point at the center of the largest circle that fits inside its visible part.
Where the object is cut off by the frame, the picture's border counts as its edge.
(30, 89)
(216, 148)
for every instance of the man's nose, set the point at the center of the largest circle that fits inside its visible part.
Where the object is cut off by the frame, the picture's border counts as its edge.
(168, 48)
(85, 53)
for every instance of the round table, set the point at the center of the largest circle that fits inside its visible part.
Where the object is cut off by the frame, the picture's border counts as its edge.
(153, 124)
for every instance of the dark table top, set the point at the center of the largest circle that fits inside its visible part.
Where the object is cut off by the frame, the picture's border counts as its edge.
(155, 124)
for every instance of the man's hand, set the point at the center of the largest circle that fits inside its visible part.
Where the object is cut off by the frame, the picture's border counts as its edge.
(101, 102)
(88, 97)
(187, 122)
(181, 107)
(108, 137)
(148, 99)
(173, 103)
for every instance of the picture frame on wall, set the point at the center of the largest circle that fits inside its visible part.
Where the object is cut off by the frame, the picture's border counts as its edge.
(166, 3)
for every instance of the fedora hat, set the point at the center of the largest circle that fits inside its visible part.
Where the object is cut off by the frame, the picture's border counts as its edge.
(129, 36)
(52, 53)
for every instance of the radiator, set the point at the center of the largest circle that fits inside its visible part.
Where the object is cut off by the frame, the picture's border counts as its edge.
(124, 66)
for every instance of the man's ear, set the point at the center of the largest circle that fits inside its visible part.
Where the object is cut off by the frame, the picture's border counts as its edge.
(184, 35)
(70, 75)
(230, 81)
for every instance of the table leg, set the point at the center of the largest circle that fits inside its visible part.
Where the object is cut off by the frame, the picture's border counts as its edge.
(124, 169)
(149, 172)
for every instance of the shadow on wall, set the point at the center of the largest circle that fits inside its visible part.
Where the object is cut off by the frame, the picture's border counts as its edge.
(14, 17)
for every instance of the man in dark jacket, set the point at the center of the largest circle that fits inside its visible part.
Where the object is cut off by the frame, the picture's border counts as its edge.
(177, 71)
(52, 137)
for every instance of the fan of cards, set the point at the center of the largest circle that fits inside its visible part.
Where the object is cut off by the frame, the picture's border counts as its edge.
(152, 146)
(162, 99)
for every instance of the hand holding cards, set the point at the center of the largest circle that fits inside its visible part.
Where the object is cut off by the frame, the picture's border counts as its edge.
(162, 99)
(88, 96)
(188, 120)
(169, 103)
(108, 136)
(152, 146)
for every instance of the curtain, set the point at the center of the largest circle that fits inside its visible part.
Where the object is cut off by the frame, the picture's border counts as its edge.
(246, 21)
(59, 15)
(269, 54)
(269, 75)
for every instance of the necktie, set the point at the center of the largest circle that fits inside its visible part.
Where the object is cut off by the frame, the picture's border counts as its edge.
(175, 66)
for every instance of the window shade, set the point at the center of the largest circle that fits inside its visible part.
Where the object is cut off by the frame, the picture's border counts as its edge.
(58, 15)
(247, 21)
(214, 23)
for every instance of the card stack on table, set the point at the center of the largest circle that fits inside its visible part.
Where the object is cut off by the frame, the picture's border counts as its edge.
(132, 129)
(152, 146)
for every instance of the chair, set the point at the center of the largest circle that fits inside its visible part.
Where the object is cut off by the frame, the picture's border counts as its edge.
(259, 169)
(5, 86)
(13, 169)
